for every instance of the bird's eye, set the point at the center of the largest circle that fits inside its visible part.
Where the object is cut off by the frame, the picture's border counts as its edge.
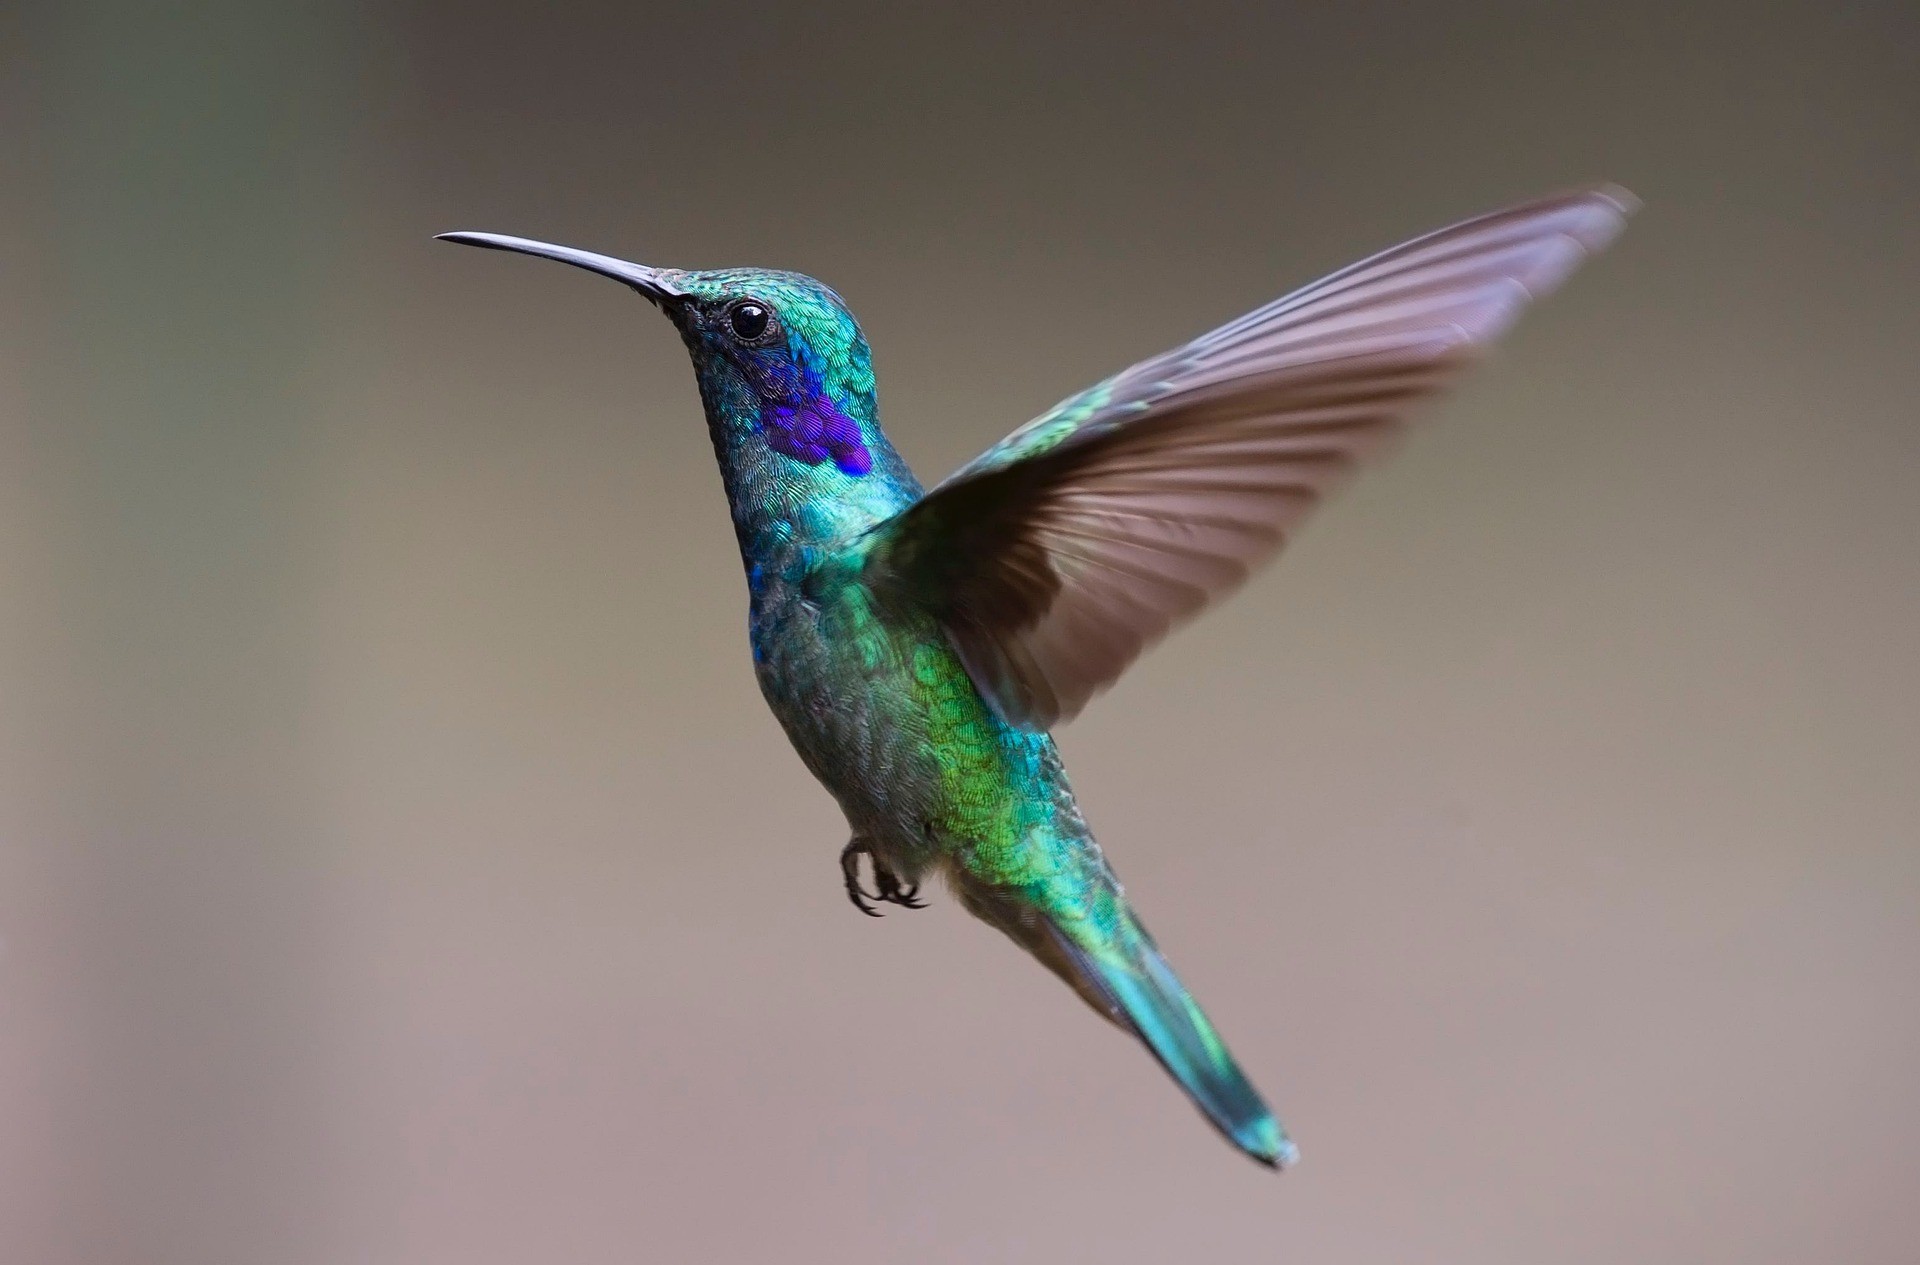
(749, 320)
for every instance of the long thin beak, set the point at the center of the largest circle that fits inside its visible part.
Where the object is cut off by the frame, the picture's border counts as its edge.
(651, 282)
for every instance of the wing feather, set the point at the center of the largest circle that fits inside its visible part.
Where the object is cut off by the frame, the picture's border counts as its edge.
(1057, 556)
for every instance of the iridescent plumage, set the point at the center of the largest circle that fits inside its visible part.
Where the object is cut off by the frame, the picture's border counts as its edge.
(916, 645)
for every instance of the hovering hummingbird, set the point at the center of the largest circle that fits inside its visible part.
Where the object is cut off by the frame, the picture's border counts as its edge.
(917, 645)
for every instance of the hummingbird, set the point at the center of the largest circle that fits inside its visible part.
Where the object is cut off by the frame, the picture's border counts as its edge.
(918, 645)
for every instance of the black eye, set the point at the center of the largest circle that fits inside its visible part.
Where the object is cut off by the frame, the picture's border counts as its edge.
(748, 320)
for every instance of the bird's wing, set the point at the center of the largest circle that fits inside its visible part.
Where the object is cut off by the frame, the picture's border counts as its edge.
(1058, 555)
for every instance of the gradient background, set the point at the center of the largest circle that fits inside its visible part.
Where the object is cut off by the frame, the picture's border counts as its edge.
(397, 863)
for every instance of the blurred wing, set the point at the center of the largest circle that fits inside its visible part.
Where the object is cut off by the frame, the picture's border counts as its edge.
(1058, 555)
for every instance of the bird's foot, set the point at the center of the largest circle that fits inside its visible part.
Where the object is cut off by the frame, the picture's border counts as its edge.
(850, 872)
(887, 886)
(893, 891)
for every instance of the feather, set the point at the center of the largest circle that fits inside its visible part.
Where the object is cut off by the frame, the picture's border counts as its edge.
(1054, 558)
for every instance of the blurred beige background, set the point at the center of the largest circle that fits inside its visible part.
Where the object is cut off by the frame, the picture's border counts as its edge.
(397, 863)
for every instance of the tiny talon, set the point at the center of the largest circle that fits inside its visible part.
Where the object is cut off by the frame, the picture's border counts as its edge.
(893, 891)
(858, 895)
(850, 872)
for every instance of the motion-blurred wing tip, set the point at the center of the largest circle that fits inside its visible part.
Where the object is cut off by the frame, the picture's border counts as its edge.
(1609, 206)
(1623, 198)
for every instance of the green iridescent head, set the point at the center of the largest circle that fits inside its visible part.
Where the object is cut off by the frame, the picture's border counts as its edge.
(780, 360)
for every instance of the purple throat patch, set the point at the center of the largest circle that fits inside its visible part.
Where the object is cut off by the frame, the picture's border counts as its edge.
(808, 427)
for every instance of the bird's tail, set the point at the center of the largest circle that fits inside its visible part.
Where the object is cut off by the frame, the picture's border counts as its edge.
(1121, 973)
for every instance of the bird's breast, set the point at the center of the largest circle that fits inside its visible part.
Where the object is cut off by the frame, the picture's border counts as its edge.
(884, 715)
(838, 678)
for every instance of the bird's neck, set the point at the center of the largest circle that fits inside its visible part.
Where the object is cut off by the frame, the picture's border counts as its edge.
(786, 507)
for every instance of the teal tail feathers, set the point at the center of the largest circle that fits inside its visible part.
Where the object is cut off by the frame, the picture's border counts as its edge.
(1108, 958)
(1129, 980)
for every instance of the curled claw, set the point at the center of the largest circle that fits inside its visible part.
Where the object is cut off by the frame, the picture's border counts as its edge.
(850, 872)
(859, 899)
(887, 887)
(891, 890)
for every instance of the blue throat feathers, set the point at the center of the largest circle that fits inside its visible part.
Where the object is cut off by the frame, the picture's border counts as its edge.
(802, 421)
